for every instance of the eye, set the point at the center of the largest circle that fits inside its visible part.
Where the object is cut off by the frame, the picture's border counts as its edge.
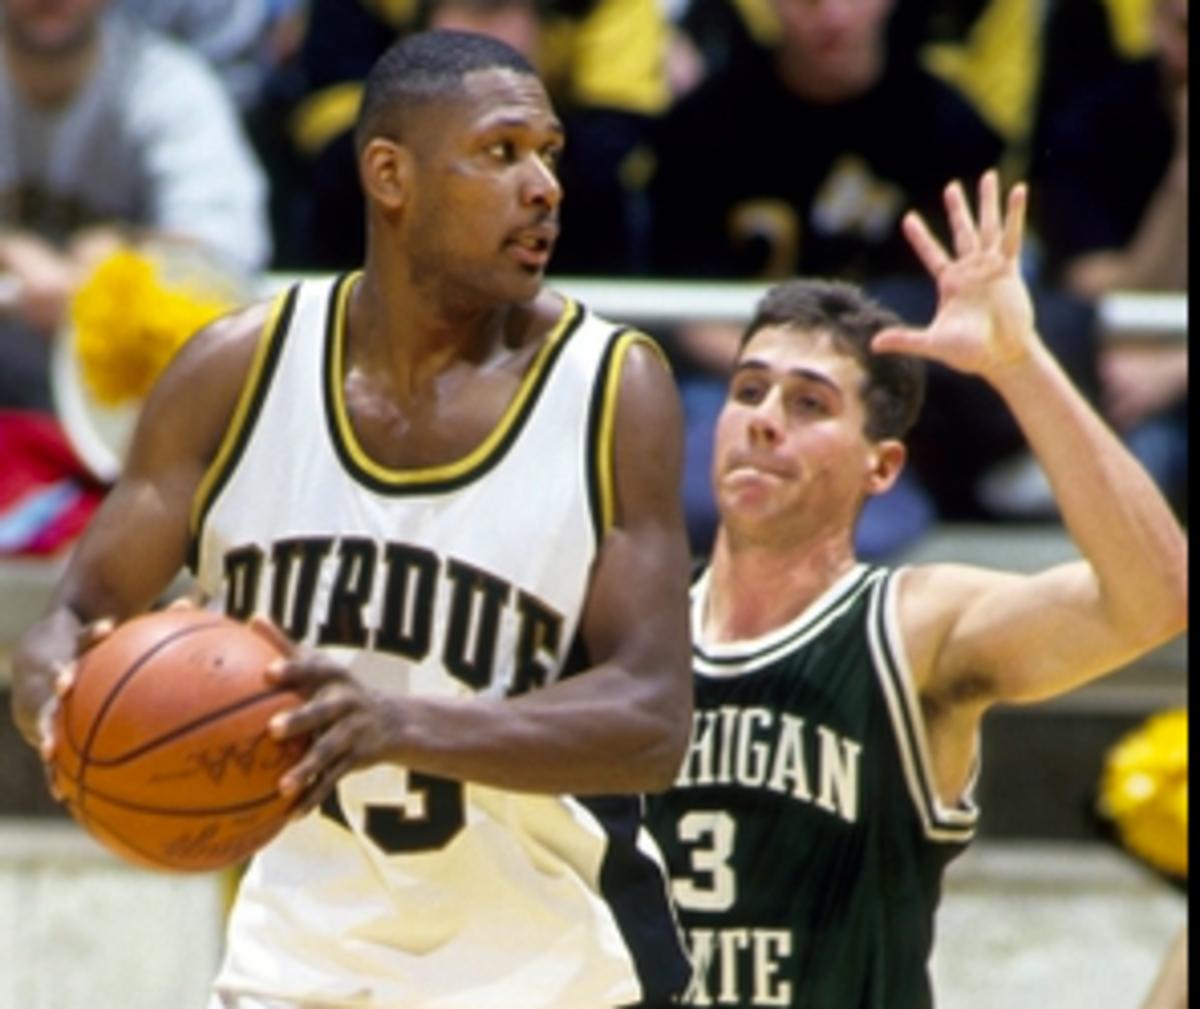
(747, 390)
(810, 404)
(503, 150)
(552, 157)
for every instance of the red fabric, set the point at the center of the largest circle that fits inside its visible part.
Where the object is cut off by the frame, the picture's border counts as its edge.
(35, 456)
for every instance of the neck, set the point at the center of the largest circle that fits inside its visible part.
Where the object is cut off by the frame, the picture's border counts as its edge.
(755, 589)
(394, 331)
(51, 78)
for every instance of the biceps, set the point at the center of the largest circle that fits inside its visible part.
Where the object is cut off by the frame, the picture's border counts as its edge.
(1038, 637)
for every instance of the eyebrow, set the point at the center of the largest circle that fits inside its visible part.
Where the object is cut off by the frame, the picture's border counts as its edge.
(508, 122)
(808, 374)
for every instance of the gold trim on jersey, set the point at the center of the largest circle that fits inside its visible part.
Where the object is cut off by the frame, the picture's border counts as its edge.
(422, 477)
(604, 452)
(238, 429)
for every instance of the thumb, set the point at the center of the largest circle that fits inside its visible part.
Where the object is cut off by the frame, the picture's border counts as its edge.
(901, 340)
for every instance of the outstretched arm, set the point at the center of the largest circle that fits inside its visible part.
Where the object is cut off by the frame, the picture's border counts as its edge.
(993, 636)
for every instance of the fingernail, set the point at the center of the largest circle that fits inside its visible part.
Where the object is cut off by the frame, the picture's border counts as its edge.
(277, 725)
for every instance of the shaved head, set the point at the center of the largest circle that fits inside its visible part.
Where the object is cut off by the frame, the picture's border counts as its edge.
(423, 68)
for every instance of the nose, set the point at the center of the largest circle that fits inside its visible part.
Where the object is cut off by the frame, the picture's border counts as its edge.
(540, 185)
(766, 420)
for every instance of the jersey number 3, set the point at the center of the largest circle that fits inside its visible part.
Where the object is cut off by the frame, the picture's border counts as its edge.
(713, 886)
(427, 817)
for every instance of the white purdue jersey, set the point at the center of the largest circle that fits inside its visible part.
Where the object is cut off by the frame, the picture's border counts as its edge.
(469, 578)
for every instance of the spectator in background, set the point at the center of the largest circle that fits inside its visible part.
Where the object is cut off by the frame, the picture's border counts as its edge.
(107, 132)
(988, 49)
(1111, 158)
(228, 33)
(604, 65)
(803, 162)
(1111, 162)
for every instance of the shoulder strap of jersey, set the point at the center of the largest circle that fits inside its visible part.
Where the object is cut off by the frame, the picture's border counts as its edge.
(602, 426)
(954, 825)
(245, 414)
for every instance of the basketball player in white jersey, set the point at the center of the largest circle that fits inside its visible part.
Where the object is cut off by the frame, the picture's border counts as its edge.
(458, 491)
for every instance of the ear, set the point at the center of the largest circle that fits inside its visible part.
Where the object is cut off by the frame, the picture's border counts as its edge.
(385, 168)
(885, 461)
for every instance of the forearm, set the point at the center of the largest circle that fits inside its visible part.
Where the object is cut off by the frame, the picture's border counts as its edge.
(1116, 515)
(598, 733)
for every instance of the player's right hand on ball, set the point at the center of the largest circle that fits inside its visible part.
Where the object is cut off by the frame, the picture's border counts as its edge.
(45, 666)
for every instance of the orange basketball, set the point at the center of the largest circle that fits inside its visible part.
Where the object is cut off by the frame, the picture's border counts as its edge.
(162, 745)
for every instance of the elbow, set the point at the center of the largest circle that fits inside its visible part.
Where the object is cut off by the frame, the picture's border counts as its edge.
(1174, 621)
(660, 760)
(1165, 620)
(1174, 610)
(662, 765)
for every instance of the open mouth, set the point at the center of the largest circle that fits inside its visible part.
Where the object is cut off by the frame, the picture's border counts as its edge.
(533, 246)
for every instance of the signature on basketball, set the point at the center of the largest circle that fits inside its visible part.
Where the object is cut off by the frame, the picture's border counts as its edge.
(258, 753)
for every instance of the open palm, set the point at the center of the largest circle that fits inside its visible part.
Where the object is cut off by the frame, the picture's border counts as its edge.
(984, 318)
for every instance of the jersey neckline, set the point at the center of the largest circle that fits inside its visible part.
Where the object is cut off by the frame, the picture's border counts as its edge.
(748, 654)
(444, 476)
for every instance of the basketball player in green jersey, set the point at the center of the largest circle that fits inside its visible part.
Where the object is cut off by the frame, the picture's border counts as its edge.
(838, 706)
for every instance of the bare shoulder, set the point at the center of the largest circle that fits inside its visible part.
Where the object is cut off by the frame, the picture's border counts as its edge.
(193, 400)
(932, 601)
(221, 352)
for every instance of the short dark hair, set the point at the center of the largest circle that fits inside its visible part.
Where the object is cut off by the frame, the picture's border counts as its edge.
(422, 67)
(894, 385)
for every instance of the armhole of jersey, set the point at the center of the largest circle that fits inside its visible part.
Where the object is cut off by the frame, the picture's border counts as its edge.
(954, 825)
(602, 427)
(237, 434)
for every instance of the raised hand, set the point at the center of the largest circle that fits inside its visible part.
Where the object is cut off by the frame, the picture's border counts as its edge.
(984, 318)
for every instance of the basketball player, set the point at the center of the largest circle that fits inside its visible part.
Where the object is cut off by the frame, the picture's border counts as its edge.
(838, 705)
(459, 491)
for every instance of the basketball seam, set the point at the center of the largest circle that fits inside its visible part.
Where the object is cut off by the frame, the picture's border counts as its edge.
(85, 751)
(197, 723)
(238, 807)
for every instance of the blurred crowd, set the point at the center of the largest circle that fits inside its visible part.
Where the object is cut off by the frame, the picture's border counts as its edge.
(707, 139)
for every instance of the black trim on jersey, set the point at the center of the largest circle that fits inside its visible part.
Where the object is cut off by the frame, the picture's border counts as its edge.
(635, 890)
(595, 433)
(418, 486)
(808, 621)
(577, 659)
(258, 395)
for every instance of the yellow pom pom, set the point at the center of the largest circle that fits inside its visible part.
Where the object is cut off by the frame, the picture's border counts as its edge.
(1143, 790)
(129, 321)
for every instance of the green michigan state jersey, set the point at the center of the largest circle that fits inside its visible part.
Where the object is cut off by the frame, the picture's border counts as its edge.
(804, 838)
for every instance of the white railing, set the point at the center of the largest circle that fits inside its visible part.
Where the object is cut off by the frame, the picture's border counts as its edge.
(1124, 314)
(651, 302)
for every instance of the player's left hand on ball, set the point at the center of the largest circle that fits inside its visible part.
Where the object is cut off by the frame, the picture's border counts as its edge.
(347, 722)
